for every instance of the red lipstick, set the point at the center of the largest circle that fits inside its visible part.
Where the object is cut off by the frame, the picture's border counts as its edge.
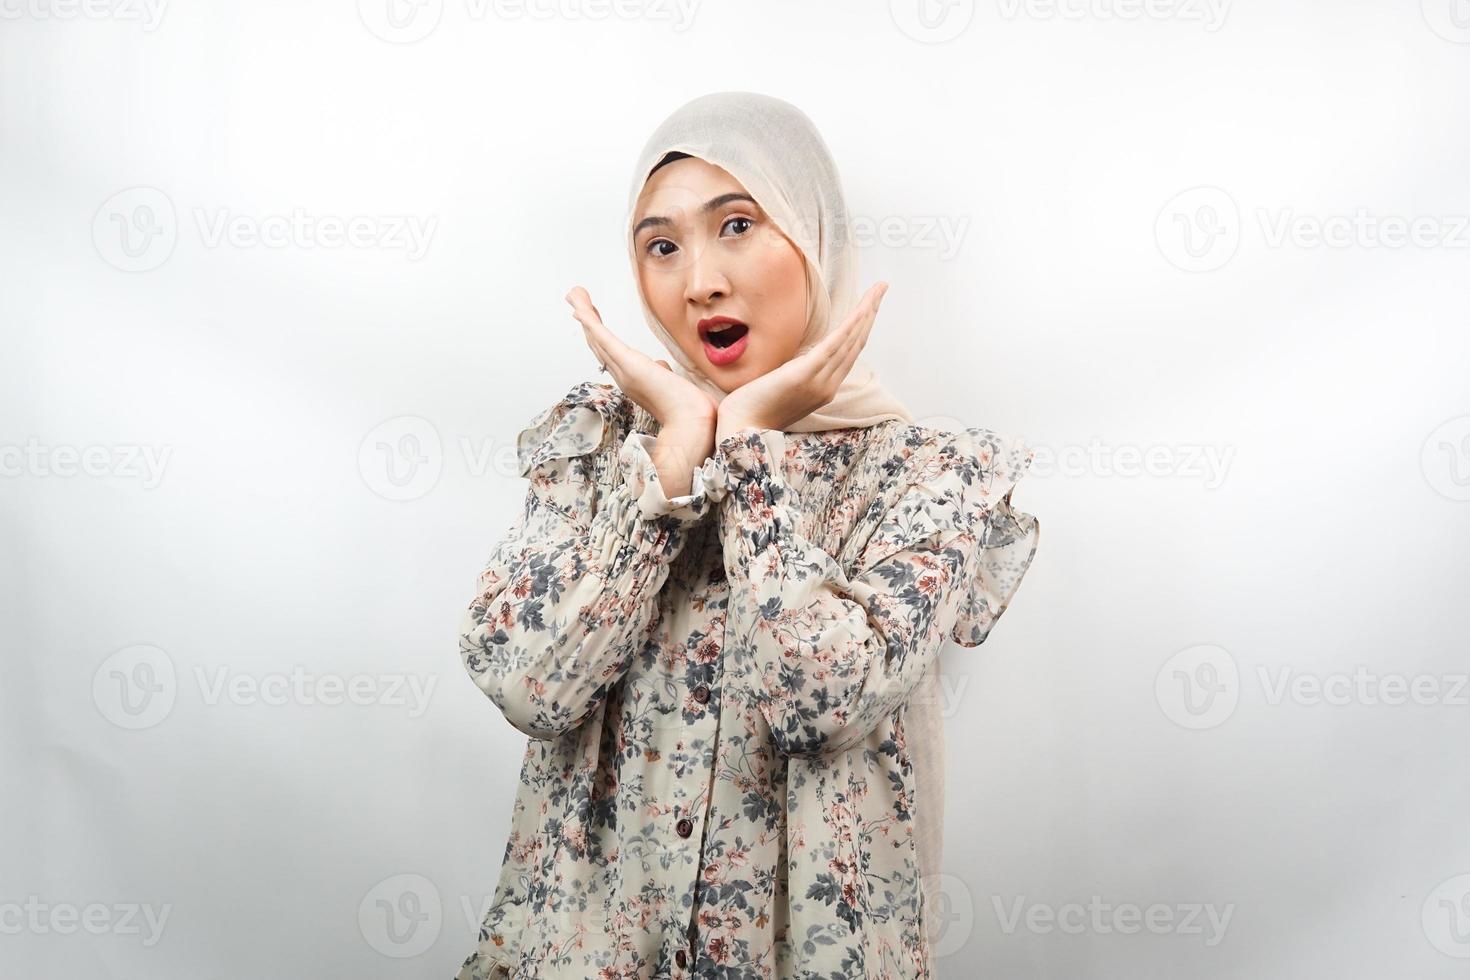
(724, 339)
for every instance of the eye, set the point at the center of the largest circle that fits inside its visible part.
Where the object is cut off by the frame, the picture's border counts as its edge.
(649, 248)
(729, 221)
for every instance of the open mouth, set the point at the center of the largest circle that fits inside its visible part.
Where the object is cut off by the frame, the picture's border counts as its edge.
(725, 334)
(724, 339)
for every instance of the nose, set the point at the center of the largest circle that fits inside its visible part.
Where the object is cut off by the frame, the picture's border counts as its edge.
(704, 279)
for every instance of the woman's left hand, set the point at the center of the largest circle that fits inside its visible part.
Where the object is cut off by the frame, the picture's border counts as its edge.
(805, 383)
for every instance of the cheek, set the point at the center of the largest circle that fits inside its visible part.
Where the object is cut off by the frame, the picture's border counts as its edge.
(781, 270)
(665, 296)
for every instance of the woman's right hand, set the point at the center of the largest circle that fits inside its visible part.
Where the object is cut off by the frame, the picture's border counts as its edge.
(676, 402)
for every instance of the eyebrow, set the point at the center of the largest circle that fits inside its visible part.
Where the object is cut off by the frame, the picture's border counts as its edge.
(712, 204)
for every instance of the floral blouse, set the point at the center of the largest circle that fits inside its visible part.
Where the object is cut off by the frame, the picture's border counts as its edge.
(717, 782)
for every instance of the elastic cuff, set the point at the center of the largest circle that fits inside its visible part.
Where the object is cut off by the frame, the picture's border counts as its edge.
(750, 465)
(751, 454)
(628, 546)
(640, 474)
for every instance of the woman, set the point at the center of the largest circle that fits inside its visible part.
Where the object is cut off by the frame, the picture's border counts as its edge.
(719, 615)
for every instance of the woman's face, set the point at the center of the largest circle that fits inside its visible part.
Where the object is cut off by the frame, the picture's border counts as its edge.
(705, 249)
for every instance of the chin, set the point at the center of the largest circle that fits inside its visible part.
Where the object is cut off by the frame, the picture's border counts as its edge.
(736, 376)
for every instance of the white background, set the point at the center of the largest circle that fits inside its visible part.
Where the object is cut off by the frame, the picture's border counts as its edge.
(1229, 241)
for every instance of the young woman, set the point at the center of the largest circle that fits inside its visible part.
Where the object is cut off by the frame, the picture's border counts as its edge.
(719, 615)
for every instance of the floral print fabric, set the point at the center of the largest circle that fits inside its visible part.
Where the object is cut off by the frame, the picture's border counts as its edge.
(718, 782)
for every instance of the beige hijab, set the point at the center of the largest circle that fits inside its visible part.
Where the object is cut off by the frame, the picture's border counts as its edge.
(776, 153)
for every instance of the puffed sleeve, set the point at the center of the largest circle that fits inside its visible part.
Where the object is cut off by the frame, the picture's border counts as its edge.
(569, 592)
(825, 654)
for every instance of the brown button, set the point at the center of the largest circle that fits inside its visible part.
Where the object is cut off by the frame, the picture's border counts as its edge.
(701, 693)
(685, 827)
(681, 958)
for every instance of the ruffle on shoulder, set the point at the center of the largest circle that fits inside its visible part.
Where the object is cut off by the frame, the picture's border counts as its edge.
(990, 465)
(1007, 537)
(961, 481)
(575, 426)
